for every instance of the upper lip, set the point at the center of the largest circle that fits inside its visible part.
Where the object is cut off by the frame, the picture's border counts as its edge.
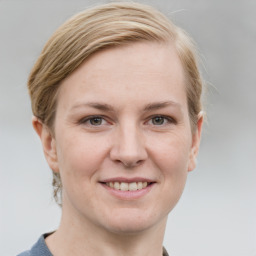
(127, 180)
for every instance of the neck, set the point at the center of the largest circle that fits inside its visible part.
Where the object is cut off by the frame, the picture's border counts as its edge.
(75, 237)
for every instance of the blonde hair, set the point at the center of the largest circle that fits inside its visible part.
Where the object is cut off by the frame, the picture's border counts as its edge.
(101, 27)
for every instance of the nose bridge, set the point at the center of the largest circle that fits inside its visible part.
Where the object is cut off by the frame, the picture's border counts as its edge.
(129, 145)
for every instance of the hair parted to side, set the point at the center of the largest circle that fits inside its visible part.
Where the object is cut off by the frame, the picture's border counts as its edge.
(101, 27)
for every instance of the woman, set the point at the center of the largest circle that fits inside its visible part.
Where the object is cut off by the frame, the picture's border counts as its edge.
(116, 101)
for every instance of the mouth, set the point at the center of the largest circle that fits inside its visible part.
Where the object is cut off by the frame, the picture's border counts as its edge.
(128, 186)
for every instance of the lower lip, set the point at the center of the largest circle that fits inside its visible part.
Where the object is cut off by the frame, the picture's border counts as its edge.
(128, 195)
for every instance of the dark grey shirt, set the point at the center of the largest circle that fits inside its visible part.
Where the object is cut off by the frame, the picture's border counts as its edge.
(40, 249)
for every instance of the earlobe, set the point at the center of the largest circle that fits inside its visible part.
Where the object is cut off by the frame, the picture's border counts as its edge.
(48, 143)
(195, 143)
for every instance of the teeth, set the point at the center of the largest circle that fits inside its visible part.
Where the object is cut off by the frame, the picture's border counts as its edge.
(144, 184)
(133, 186)
(116, 185)
(124, 186)
(139, 185)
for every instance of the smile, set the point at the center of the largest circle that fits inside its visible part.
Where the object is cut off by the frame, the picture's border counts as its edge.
(125, 186)
(128, 189)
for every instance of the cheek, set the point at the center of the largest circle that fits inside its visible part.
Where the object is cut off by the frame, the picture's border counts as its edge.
(79, 157)
(171, 152)
(171, 155)
(174, 170)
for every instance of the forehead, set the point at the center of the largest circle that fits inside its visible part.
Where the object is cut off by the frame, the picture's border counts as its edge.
(145, 57)
(127, 72)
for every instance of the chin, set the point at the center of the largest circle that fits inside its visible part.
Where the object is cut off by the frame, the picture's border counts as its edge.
(133, 221)
(128, 228)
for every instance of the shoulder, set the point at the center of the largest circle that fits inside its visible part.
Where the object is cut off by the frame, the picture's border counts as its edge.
(39, 248)
(26, 253)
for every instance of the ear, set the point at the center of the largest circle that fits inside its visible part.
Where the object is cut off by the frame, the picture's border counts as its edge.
(48, 143)
(196, 136)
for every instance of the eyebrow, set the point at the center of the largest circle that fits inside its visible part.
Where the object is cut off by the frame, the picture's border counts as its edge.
(160, 105)
(147, 108)
(96, 105)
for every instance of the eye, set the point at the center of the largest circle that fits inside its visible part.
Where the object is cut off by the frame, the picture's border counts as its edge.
(158, 120)
(93, 121)
(161, 120)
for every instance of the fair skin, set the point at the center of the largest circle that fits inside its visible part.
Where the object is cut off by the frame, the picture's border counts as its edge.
(122, 120)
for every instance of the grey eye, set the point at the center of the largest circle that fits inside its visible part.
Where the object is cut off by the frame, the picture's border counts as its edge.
(158, 120)
(95, 121)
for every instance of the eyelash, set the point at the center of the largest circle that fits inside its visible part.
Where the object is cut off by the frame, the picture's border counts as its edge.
(90, 118)
(166, 119)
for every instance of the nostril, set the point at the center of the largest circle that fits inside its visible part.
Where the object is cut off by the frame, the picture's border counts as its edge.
(130, 164)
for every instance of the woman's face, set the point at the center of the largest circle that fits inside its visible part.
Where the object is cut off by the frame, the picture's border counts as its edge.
(123, 143)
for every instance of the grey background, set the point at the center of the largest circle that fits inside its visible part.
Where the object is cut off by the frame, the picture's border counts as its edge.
(217, 213)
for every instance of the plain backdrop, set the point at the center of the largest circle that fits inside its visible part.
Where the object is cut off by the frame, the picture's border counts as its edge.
(217, 212)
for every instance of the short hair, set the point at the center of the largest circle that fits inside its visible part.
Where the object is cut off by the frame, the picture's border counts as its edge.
(101, 27)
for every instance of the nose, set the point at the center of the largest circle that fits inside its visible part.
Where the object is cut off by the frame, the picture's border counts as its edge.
(129, 147)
